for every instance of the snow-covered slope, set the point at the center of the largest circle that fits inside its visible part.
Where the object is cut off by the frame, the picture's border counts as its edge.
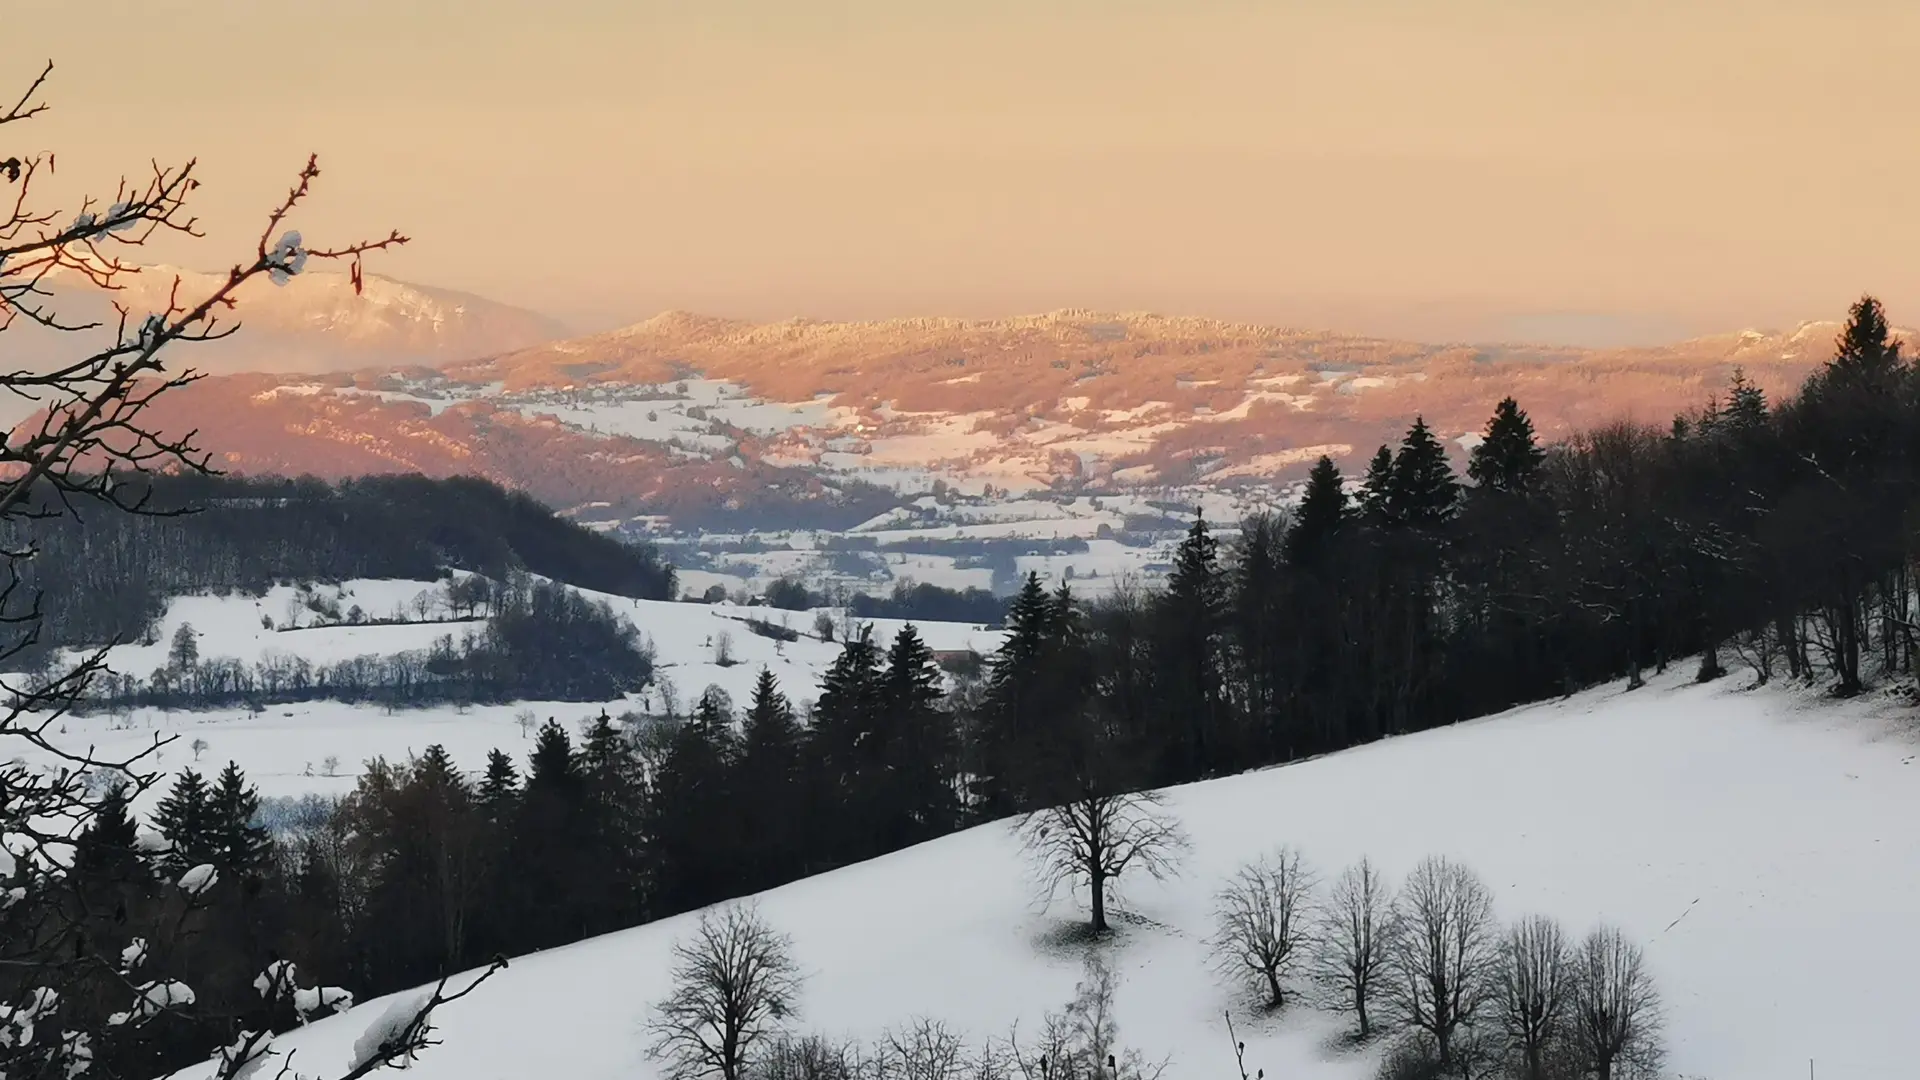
(1760, 845)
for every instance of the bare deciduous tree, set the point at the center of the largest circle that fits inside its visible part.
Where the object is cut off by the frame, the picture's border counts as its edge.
(924, 1049)
(1441, 967)
(1532, 991)
(1355, 938)
(1261, 922)
(84, 451)
(1097, 838)
(734, 982)
(1081, 1042)
(1614, 1012)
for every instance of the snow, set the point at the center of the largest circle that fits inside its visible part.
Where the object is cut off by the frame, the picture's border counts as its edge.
(199, 879)
(285, 749)
(1758, 844)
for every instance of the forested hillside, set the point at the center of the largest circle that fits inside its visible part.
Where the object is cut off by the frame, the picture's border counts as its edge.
(1775, 533)
(104, 575)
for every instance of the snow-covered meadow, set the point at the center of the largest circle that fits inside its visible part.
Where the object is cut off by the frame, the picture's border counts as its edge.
(285, 750)
(1759, 844)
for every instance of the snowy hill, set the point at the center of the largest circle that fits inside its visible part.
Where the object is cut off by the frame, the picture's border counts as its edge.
(1759, 844)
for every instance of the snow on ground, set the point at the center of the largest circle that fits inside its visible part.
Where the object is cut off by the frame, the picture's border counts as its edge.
(1758, 844)
(284, 749)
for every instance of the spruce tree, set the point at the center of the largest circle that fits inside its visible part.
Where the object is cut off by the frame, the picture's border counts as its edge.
(845, 721)
(1746, 405)
(240, 846)
(769, 785)
(692, 814)
(1422, 490)
(1011, 712)
(1509, 457)
(500, 787)
(107, 850)
(550, 865)
(1189, 659)
(1866, 352)
(1376, 493)
(185, 819)
(1322, 511)
(916, 750)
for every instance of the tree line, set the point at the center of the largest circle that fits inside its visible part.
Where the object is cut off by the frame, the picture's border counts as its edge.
(541, 641)
(101, 575)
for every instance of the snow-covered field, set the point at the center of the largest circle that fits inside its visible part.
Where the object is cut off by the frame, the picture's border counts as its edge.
(1759, 844)
(284, 749)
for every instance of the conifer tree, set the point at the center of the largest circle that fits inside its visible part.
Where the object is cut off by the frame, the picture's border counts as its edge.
(1011, 713)
(774, 827)
(240, 845)
(1421, 491)
(1376, 492)
(1322, 512)
(550, 863)
(693, 815)
(107, 850)
(845, 723)
(916, 750)
(1189, 659)
(1509, 457)
(499, 788)
(185, 819)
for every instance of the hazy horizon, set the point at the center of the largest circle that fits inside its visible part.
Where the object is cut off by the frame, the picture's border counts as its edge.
(1483, 169)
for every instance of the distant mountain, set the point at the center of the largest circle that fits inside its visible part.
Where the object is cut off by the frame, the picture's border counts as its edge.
(707, 420)
(316, 322)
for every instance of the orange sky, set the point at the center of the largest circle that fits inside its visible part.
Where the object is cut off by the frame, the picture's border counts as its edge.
(1436, 168)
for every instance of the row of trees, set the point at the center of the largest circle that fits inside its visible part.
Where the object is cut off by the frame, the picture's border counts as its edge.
(107, 576)
(541, 641)
(1458, 992)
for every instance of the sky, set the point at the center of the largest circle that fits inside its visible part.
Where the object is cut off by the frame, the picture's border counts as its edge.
(1439, 169)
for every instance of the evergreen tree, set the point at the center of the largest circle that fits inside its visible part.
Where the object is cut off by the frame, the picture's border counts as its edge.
(1189, 660)
(1421, 491)
(1012, 711)
(846, 722)
(1376, 493)
(551, 865)
(616, 823)
(107, 850)
(769, 784)
(240, 845)
(500, 787)
(1866, 352)
(185, 819)
(1322, 512)
(692, 813)
(1746, 405)
(1508, 458)
(916, 750)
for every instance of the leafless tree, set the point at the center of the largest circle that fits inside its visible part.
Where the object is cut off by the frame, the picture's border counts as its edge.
(1353, 942)
(924, 1049)
(86, 451)
(1532, 992)
(1261, 923)
(809, 1057)
(1441, 967)
(1095, 839)
(1614, 1009)
(734, 983)
(723, 649)
(1082, 1042)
